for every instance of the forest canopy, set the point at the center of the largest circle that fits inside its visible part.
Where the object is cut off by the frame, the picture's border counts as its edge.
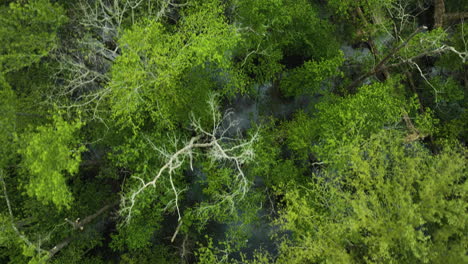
(233, 131)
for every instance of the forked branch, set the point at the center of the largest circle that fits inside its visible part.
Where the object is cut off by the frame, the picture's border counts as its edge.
(219, 147)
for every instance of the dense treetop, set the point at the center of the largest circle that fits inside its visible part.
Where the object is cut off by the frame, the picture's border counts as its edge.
(233, 131)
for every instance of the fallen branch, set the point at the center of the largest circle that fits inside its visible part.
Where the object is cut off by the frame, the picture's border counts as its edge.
(79, 225)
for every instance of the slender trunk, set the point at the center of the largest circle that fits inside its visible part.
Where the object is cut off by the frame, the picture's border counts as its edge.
(373, 47)
(409, 77)
(439, 12)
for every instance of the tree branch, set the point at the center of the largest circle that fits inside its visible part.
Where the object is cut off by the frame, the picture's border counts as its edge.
(219, 146)
(79, 225)
(455, 16)
(381, 65)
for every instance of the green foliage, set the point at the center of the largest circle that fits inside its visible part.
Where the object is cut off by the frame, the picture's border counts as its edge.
(456, 128)
(346, 7)
(145, 222)
(50, 154)
(267, 150)
(138, 155)
(375, 174)
(8, 239)
(456, 5)
(341, 121)
(396, 203)
(424, 42)
(211, 253)
(224, 202)
(148, 78)
(451, 60)
(149, 255)
(28, 32)
(273, 164)
(208, 254)
(299, 134)
(34, 257)
(309, 78)
(446, 91)
(7, 120)
(259, 52)
(223, 195)
(274, 31)
(76, 252)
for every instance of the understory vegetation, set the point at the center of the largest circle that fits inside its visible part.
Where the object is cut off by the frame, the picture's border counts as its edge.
(233, 131)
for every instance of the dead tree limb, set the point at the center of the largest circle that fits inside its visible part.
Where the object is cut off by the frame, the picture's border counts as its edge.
(79, 225)
(219, 146)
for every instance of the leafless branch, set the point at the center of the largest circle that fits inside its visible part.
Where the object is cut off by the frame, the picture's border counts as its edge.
(79, 224)
(219, 147)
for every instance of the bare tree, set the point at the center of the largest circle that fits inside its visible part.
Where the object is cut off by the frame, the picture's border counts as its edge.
(85, 60)
(218, 146)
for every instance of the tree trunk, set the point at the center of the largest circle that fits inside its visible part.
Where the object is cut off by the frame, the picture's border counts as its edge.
(439, 12)
(373, 48)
